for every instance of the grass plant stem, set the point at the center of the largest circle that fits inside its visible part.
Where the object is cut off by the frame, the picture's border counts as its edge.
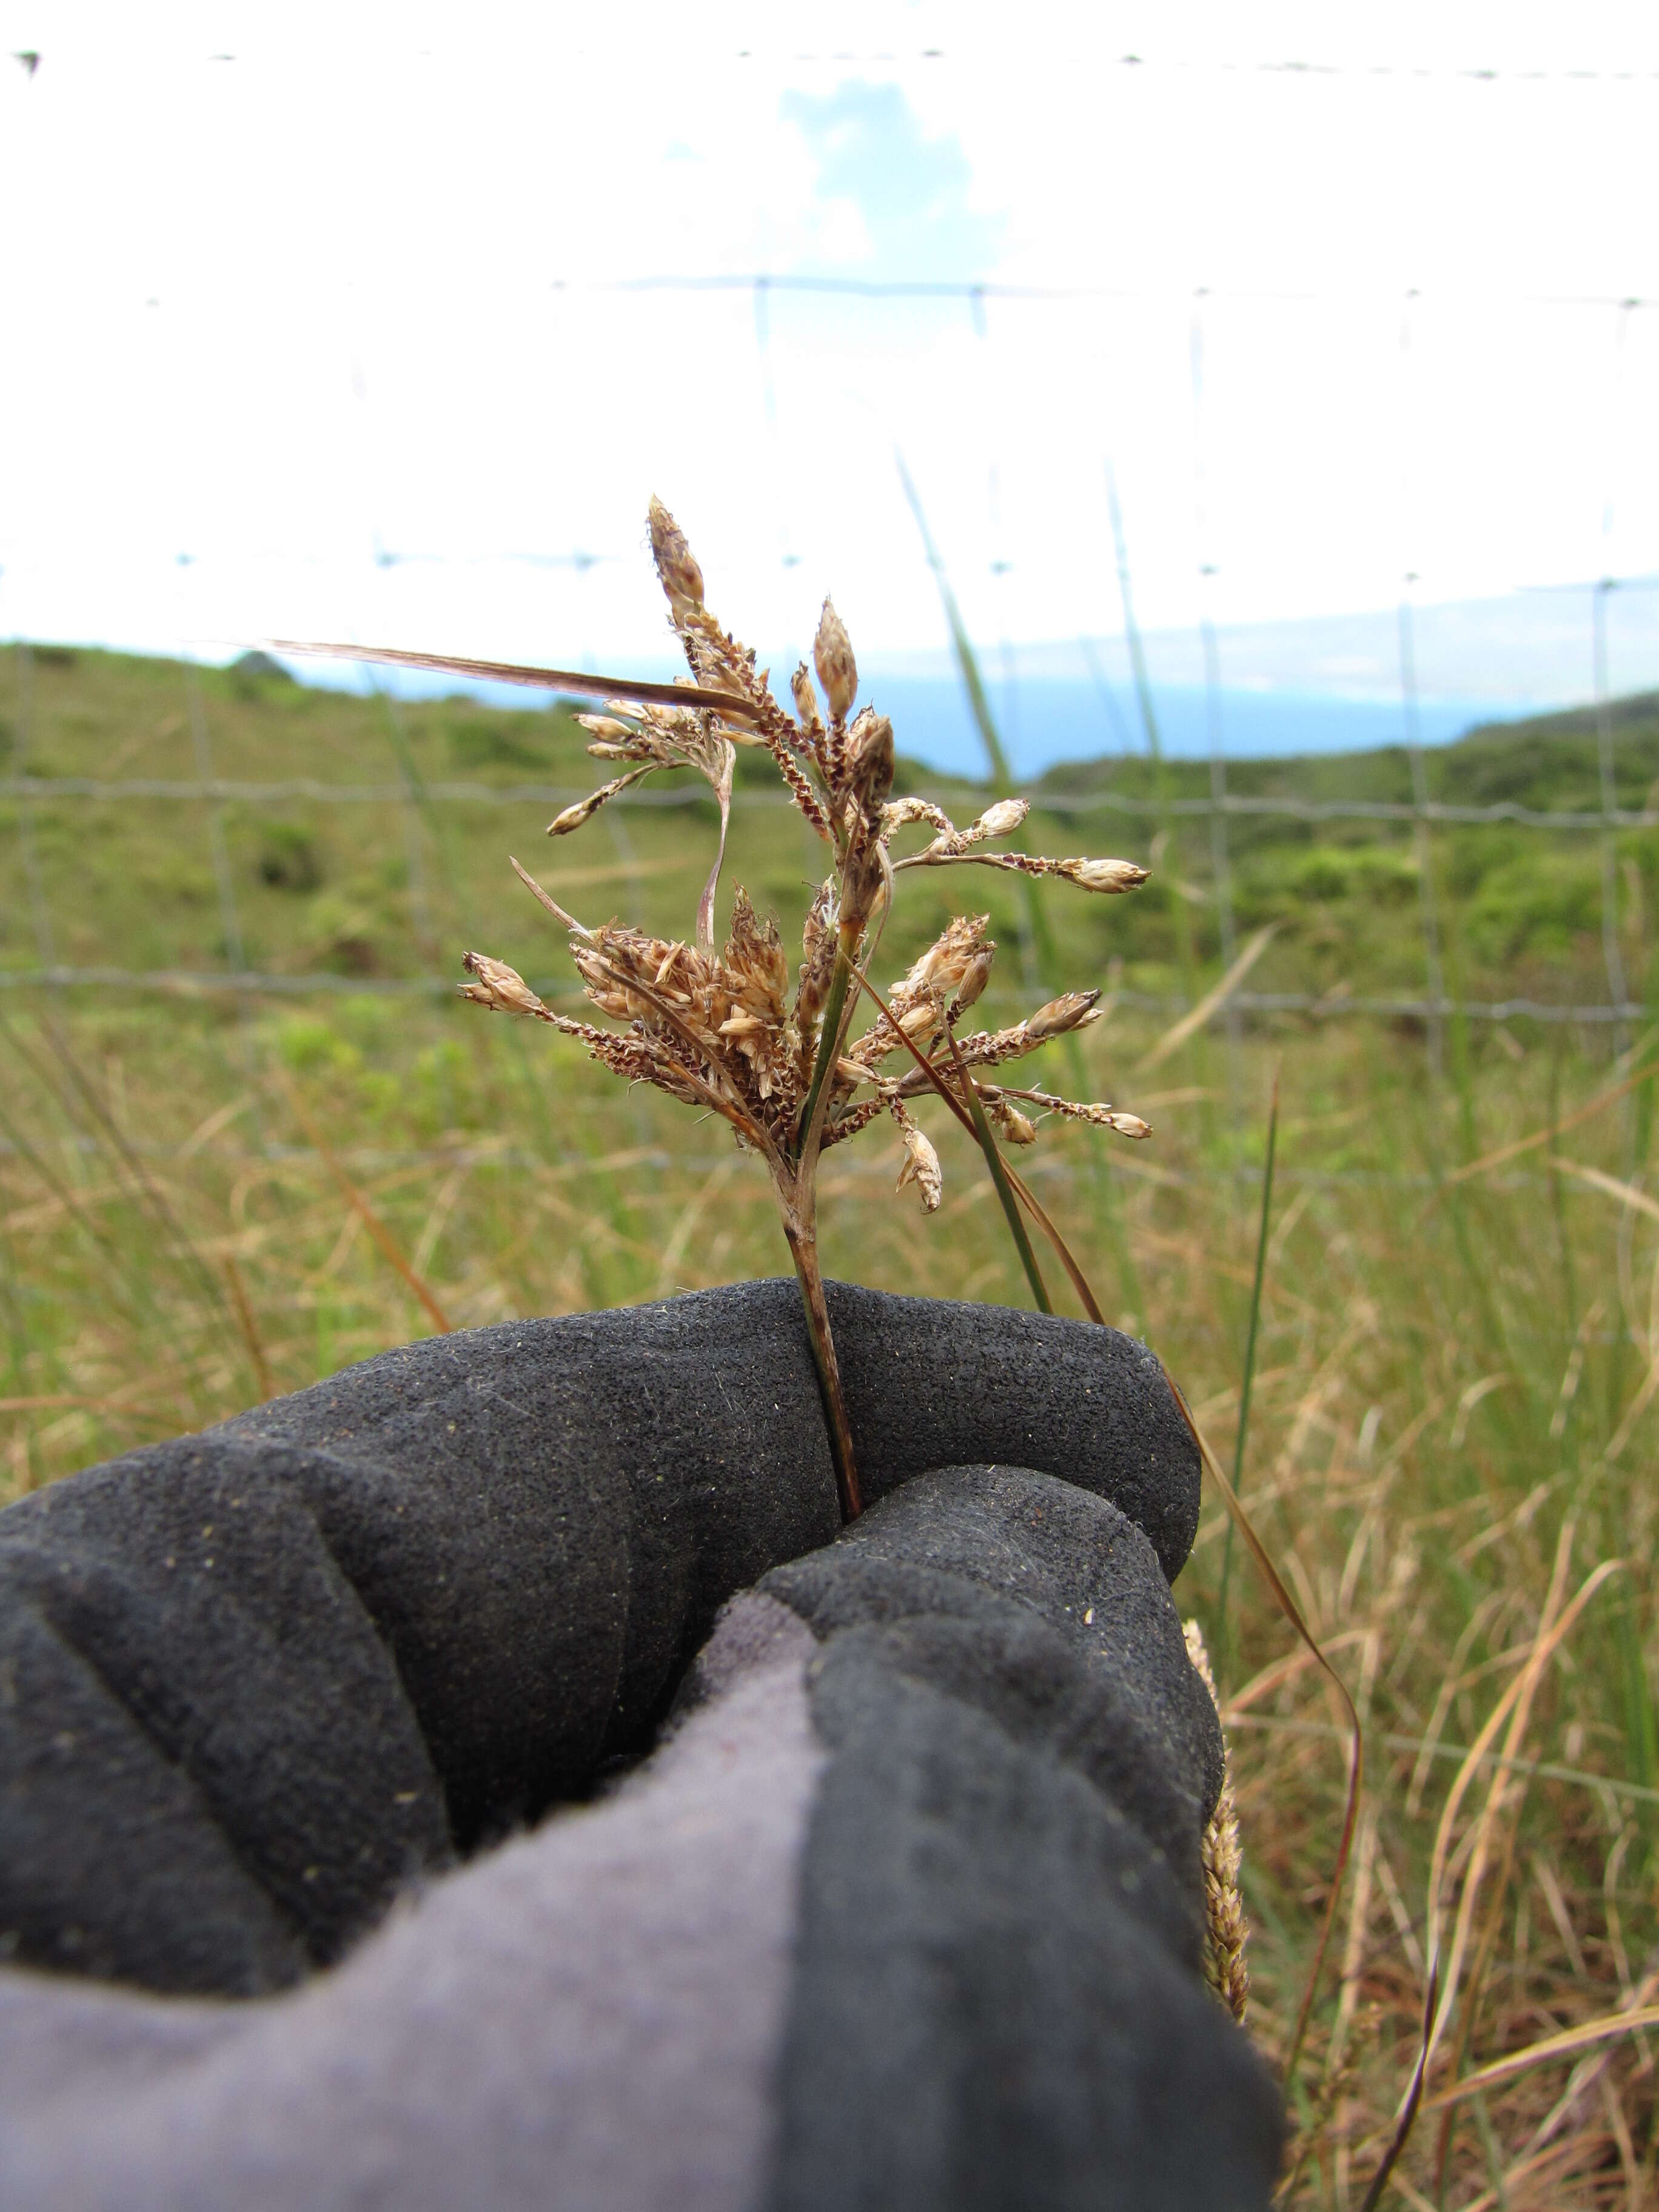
(829, 1034)
(797, 1195)
(1183, 920)
(802, 1239)
(1038, 926)
(1252, 1333)
(993, 1160)
(1288, 1605)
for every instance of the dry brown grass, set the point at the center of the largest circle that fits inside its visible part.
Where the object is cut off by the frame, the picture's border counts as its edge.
(1452, 1438)
(1447, 1458)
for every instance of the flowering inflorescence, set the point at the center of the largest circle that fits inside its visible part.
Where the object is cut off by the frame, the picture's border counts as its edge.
(724, 1031)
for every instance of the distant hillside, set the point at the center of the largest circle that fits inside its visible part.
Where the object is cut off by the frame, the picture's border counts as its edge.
(395, 881)
(1550, 764)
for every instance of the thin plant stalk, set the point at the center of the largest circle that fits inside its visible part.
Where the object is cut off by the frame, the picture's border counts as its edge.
(1250, 1362)
(829, 1041)
(1039, 928)
(993, 1160)
(802, 1239)
(1413, 2097)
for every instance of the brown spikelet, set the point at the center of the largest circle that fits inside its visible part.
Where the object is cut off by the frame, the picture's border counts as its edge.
(900, 813)
(801, 789)
(1226, 1930)
(851, 1119)
(832, 656)
(681, 579)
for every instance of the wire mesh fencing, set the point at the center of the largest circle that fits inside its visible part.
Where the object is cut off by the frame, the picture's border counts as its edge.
(1224, 998)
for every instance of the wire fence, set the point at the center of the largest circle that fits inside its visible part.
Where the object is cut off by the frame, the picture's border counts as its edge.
(1433, 1006)
(237, 978)
(1288, 807)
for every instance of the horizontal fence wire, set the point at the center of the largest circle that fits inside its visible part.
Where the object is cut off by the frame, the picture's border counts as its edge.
(1330, 1006)
(973, 294)
(370, 1160)
(1318, 72)
(1285, 808)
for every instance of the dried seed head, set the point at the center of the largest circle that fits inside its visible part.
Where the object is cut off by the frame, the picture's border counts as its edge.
(498, 987)
(818, 958)
(1103, 1116)
(975, 977)
(723, 1031)
(1073, 1010)
(1000, 820)
(573, 816)
(1102, 875)
(869, 758)
(921, 1166)
(899, 813)
(950, 974)
(754, 960)
(1008, 1118)
(832, 656)
(676, 565)
(806, 705)
(1226, 1967)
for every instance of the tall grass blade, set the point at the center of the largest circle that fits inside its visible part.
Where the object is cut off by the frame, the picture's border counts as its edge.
(1079, 1280)
(1002, 779)
(250, 1328)
(143, 1181)
(1243, 1430)
(1414, 2098)
(391, 1251)
(1541, 2053)
(967, 660)
(1516, 1700)
(1183, 922)
(1599, 1105)
(584, 684)
(1173, 1039)
(993, 1160)
(1038, 922)
(1131, 628)
(1292, 1613)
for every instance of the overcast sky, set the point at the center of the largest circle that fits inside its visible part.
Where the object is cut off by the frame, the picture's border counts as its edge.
(318, 320)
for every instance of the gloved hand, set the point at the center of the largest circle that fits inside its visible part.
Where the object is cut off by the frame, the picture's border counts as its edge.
(888, 1891)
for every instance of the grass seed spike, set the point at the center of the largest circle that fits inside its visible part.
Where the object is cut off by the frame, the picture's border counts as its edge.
(724, 1030)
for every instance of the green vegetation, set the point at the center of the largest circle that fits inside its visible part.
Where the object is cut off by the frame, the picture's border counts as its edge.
(390, 886)
(1455, 1405)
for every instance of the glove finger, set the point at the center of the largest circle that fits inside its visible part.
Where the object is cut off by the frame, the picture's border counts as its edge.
(997, 1997)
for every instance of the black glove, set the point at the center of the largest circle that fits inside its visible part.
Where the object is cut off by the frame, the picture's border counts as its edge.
(903, 1911)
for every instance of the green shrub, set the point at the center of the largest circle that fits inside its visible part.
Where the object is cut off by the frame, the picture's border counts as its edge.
(288, 857)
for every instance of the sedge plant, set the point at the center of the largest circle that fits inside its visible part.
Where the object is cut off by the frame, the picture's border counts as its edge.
(727, 1030)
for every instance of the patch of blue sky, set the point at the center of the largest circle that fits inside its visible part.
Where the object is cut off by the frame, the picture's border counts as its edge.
(909, 194)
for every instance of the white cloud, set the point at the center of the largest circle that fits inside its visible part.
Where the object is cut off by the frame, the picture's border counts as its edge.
(378, 242)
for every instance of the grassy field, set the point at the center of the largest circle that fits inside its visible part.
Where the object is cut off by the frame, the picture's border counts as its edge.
(205, 1197)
